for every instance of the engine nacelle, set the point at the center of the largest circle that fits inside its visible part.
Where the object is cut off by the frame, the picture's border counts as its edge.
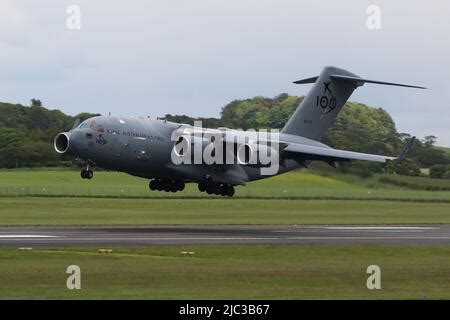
(256, 155)
(245, 154)
(182, 146)
(62, 142)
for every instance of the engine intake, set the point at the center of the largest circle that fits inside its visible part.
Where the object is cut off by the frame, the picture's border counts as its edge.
(182, 146)
(245, 154)
(61, 142)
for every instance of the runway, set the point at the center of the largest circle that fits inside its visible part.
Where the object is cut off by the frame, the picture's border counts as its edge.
(223, 235)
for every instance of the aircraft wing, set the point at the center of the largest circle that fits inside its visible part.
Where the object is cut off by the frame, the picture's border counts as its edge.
(307, 152)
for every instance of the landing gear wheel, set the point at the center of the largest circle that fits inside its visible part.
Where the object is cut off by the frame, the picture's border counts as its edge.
(166, 186)
(201, 187)
(209, 189)
(87, 174)
(153, 185)
(173, 187)
(223, 190)
(230, 191)
(179, 185)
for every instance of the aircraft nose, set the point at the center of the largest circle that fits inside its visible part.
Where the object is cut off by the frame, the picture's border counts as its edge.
(75, 140)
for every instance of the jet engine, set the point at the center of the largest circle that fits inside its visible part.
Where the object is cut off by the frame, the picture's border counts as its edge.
(61, 142)
(256, 155)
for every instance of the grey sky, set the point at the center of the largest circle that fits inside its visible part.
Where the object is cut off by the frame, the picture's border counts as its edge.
(141, 57)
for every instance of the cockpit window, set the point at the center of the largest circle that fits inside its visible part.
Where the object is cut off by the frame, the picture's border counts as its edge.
(84, 125)
(96, 126)
(92, 125)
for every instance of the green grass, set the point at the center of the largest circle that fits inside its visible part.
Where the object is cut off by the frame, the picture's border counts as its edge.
(420, 183)
(221, 272)
(298, 184)
(61, 197)
(228, 272)
(100, 211)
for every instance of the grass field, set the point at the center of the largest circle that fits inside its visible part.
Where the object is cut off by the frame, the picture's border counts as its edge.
(293, 185)
(60, 197)
(100, 211)
(228, 272)
(419, 183)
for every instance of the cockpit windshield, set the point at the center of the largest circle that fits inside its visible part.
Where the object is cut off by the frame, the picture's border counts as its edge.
(84, 124)
(92, 124)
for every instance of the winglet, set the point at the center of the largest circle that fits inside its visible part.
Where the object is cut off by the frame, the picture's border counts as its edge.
(407, 149)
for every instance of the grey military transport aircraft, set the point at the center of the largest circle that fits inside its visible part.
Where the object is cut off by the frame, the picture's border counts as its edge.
(147, 148)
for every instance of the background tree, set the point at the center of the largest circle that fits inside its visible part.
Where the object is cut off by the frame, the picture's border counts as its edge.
(446, 175)
(438, 171)
(429, 140)
(36, 103)
(405, 167)
(26, 134)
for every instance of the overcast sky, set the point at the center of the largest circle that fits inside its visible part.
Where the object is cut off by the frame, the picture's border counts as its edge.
(141, 57)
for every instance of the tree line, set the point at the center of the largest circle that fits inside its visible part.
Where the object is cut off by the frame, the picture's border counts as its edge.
(27, 132)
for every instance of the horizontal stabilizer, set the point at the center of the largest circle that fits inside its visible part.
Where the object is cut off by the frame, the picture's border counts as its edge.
(308, 80)
(356, 80)
(359, 81)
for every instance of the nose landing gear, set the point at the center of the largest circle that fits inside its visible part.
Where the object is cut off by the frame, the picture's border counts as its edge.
(87, 173)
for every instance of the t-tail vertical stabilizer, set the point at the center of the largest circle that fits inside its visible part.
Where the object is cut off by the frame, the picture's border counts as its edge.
(318, 110)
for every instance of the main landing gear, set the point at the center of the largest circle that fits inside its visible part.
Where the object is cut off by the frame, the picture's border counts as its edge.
(176, 185)
(216, 188)
(87, 173)
(166, 185)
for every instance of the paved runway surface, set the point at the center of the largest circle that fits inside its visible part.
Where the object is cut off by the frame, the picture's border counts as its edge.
(230, 234)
